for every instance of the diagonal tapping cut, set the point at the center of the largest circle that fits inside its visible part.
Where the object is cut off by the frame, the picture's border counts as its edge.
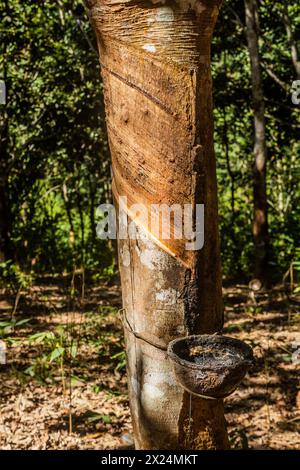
(138, 88)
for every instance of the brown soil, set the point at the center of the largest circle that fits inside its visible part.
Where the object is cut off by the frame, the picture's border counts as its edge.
(42, 408)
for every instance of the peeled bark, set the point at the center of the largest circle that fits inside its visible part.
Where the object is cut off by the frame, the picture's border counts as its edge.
(260, 218)
(155, 62)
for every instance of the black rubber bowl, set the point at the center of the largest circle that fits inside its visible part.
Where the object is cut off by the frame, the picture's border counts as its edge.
(210, 365)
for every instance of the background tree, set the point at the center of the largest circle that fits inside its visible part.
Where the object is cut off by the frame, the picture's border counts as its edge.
(233, 98)
(260, 216)
(291, 38)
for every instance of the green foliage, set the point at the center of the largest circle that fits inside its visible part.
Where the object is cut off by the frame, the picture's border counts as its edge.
(98, 417)
(57, 347)
(234, 135)
(8, 327)
(57, 165)
(59, 352)
(13, 278)
(121, 360)
(54, 157)
(238, 439)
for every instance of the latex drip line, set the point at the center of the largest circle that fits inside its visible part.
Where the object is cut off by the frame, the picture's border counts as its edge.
(128, 327)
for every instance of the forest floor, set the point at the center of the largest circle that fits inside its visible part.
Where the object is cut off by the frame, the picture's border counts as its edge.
(64, 383)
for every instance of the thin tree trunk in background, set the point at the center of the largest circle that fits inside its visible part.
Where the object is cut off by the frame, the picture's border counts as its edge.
(4, 229)
(155, 62)
(227, 155)
(5, 210)
(92, 213)
(291, 39)
(82, 230)
(5, 249)
(69, 215)
(260, 220)
(230, 172)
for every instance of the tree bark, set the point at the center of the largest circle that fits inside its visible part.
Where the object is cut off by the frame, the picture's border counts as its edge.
(5, 209)
(3, 202)
(92, 213)
(155, 62)
(260, 219)
(291, 39)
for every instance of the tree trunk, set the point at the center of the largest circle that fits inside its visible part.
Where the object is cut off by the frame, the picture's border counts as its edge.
(69, 215)
(155, 63)
(4, 229)
(5, 209)
(92, 213)
(5, 213)
(260, 220)
(291, 39)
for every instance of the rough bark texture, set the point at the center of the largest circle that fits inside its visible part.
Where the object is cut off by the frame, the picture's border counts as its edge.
(260, 220)
(155, 59)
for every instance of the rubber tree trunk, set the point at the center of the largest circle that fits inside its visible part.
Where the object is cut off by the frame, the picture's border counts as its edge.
(155, 61)
(260, 217)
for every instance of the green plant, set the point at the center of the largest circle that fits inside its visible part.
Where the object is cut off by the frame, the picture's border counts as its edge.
(8, 327)
(238, 439)
(105, 419)
(58, 348)
(254, 309)
(13, 278)
(120, 358)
